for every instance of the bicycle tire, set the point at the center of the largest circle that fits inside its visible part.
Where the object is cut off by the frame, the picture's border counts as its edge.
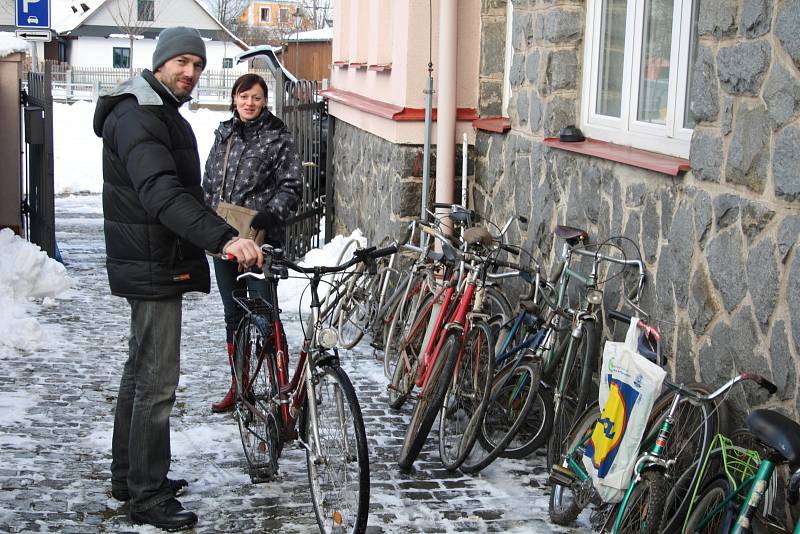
(708, 498)
(645, 507)
(397, 317)
(404, 374)
(498, 303)
(353, 311)
(567, 502)
(430, 399)
(338, 506)
(467, 397)
(687, 455)
(515, 390)
(257, 386)
(576, 392)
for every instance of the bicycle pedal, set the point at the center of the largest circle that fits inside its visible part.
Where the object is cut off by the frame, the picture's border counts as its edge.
(563, 476)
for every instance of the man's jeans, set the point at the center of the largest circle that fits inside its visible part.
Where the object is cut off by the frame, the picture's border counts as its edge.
(140, 446)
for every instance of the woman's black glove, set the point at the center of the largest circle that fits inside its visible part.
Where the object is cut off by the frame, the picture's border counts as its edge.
(266, 219)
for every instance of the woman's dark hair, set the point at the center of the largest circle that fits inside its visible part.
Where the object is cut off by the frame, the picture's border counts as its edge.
(245, 82)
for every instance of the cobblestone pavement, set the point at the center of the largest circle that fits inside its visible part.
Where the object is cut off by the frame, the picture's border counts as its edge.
(55, 442)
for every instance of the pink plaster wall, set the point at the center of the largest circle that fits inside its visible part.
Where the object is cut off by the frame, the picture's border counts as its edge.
(396, 32)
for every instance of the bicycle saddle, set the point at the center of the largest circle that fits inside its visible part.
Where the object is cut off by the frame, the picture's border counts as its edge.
(478, 236)
(777, 432)
(571, 235)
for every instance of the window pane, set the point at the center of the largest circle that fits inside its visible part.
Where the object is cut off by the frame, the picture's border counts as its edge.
(612, 57)
(688, 117)
(121, 58)
(654, 74)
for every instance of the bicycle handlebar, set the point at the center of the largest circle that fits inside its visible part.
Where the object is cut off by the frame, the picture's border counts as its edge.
(368, 255)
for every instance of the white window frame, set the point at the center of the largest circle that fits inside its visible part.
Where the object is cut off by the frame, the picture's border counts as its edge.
(508, 59)
(671, 138)
(261, 11)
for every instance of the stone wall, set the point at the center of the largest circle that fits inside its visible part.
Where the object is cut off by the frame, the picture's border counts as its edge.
(720, 241)
(378, 184)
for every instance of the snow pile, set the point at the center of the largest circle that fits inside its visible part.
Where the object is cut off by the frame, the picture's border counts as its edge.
(293, 294)
(78, 152)
(10, 43)
(25, 273)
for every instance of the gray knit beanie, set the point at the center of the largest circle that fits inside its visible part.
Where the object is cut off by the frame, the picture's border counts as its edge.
(176, 41)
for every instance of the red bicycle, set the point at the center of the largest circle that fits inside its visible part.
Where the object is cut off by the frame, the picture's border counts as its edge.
(318, 406)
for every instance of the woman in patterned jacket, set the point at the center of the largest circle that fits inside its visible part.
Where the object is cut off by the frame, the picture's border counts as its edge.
(263, 174)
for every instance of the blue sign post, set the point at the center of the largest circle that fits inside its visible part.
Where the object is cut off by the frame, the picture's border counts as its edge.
(32, 14)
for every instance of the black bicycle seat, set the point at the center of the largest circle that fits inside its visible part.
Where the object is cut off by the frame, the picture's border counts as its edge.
(776, 431)
(478, 236)
(571, 235)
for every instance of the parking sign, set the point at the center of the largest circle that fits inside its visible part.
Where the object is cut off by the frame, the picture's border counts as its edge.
(33, 13)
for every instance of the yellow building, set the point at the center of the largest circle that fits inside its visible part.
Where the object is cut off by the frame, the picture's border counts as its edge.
(273, 15)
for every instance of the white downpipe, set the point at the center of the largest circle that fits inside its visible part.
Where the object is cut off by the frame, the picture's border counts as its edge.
(446, 103)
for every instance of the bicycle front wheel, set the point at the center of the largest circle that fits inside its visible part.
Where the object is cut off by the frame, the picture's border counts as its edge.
(257, 388)
(575, 392)
(515, 393)
(355, 309)
(692, 432)
(567, 501)
(465, 402)
(339, 475)
(645, 507)
(410, 348)
(430, 399)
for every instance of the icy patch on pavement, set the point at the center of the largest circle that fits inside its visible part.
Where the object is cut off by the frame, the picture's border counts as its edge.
(26, 273)
(13, 408)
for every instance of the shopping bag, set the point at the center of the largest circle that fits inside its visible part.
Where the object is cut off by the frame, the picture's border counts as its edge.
(629, 384)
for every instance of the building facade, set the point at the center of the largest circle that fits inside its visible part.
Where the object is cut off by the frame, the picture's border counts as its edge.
(694, 156)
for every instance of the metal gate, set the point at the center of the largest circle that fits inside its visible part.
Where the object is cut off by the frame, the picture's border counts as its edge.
(38, 203)
(305, 114)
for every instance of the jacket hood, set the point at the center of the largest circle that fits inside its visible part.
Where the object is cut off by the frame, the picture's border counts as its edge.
(147, 90)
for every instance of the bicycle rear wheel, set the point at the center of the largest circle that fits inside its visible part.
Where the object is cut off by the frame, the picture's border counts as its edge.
(430, 399)
(410, 347)
(466, 399)
(568, 501)
(257, 387)
(339, 478)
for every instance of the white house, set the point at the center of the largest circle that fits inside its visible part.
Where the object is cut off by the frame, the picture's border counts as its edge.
(96, 33)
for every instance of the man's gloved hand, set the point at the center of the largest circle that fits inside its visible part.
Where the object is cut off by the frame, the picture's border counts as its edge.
(266, 219)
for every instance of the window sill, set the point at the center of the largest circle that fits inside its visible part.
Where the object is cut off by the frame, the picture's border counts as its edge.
(492, 124)
(380, 67)
(624, 154)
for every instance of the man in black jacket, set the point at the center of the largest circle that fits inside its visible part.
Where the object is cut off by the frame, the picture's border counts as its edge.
(156, 228)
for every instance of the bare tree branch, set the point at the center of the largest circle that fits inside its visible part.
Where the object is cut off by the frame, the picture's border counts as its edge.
(125, 14)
